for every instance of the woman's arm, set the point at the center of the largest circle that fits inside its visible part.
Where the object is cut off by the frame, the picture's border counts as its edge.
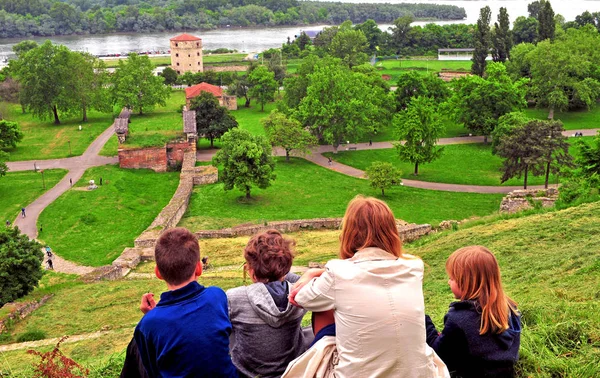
(316, 292)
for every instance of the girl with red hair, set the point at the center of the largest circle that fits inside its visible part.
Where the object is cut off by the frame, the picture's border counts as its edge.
(482, 331)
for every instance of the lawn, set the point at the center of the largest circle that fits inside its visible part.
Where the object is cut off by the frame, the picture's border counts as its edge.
(394, 68)
(19, 189)
(573, 120)
(44, 140)
(303, 190)
(93, 227)
(466, 164)
(548, 260)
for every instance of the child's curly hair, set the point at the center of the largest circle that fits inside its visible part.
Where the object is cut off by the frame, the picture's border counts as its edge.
(269, 255)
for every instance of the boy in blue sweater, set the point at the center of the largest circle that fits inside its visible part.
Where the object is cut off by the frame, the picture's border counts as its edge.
(187, 333)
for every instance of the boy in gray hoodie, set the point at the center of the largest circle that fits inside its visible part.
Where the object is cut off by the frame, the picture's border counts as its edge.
(267, 333)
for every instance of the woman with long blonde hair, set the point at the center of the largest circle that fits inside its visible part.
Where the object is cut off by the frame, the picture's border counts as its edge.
(374, 295)
(482, 331)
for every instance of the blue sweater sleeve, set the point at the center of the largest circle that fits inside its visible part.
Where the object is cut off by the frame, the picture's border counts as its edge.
(146, 351)
(450, 344)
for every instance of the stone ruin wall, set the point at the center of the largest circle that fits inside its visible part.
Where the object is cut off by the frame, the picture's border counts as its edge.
(524, 199)
(159, 159)
(21, 310)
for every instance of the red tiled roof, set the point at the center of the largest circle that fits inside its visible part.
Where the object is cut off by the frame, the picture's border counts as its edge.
(185, 37)
(195, 90)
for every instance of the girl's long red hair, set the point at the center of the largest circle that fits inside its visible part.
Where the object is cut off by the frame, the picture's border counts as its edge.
(477, 275)
(369, 222)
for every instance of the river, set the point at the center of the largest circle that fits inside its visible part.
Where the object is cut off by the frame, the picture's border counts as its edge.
(259, 39)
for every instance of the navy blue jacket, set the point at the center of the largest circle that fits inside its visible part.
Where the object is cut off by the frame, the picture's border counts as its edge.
(469, 354)
(187, 334)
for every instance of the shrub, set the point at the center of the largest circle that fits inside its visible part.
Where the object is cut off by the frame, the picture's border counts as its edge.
(31, 335)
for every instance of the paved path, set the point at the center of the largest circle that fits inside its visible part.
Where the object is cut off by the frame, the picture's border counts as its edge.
(53, 341)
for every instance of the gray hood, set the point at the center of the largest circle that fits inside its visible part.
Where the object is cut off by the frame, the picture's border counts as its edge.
(263, 302)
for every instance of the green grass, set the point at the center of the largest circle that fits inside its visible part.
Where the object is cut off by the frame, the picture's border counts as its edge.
(395, 67)
(466, 164)
(303, 190)
(93, 227)
(573, 120)
(44, 140)
(549, 264)
(19, 189)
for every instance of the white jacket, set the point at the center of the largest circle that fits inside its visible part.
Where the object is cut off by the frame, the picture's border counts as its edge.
(379, 315)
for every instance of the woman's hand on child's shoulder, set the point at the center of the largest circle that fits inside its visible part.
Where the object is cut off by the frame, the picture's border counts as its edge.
(306, 278)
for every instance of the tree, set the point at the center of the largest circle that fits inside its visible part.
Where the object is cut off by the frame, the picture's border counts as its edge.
(556, 149)
(3, 166)
(420, 128)
(20, 264)
(10, 134)
(44, 74)
(525, 30)
(349, 45)
(342, 105)
(88, 83)
(170, 75)
(262, 85)
(400, 31)
(373, 34)
(589, 157)
(296, 86)
(478, 103)
(482, 41)
(287, 133)
(522, 148)
(303, 41)
(212, 120)
(411, 84)
(563, 71)
(136, 87)
(23, 47)
(241, 86)
(546, 26)
(501, 37)
(246, 161)
(383, 176)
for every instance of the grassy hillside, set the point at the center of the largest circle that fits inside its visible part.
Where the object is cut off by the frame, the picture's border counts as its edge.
(550, 266)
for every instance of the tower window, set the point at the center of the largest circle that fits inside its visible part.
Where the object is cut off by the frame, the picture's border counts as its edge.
(176, 54)
(198, 53)
(177, 63)
(189, 55)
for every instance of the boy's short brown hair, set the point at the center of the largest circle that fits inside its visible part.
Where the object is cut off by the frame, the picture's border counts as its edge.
(177, 253)
(269, 255)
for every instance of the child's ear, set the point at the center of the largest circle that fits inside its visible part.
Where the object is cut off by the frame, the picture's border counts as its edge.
(198, 271)
(157, 273)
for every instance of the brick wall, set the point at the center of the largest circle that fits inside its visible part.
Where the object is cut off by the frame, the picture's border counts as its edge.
(154, 158)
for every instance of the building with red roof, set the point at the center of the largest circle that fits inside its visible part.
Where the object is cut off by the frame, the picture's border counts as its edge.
(230, 102)
(186, 54)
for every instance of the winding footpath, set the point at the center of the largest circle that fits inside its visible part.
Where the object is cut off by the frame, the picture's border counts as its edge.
(76, 166)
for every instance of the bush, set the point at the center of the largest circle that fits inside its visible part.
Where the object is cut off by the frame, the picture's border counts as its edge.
(20, 264)
(32, 335)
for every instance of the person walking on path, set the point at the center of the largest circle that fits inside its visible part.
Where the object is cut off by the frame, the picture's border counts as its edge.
(329, 161)
(23, 212)
(70, 181)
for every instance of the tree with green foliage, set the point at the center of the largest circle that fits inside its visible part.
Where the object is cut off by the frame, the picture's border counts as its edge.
(482, 41)
(583, 183)
(342, 105)
(525, 30)
(89, 83)
(501, 37)
(303, 41)
(170, 76)
(241, 86)
(556, 149)
(277, 65)
(518, 66)
(44, 74)
(418, 128)
(375, 36)
(349, 45)
(20, 264)
(522, 148)
(288, 134)
(411, 84)
(589, 156)
(383, 175)
(262, 86)
(296, 85)
(23, 47)
(246, 161)
(478, 102)
(10, 134)
(563, 71)
(212, 119)
(546, 25)
(135, 86)
(400, 31)
(3, 166)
